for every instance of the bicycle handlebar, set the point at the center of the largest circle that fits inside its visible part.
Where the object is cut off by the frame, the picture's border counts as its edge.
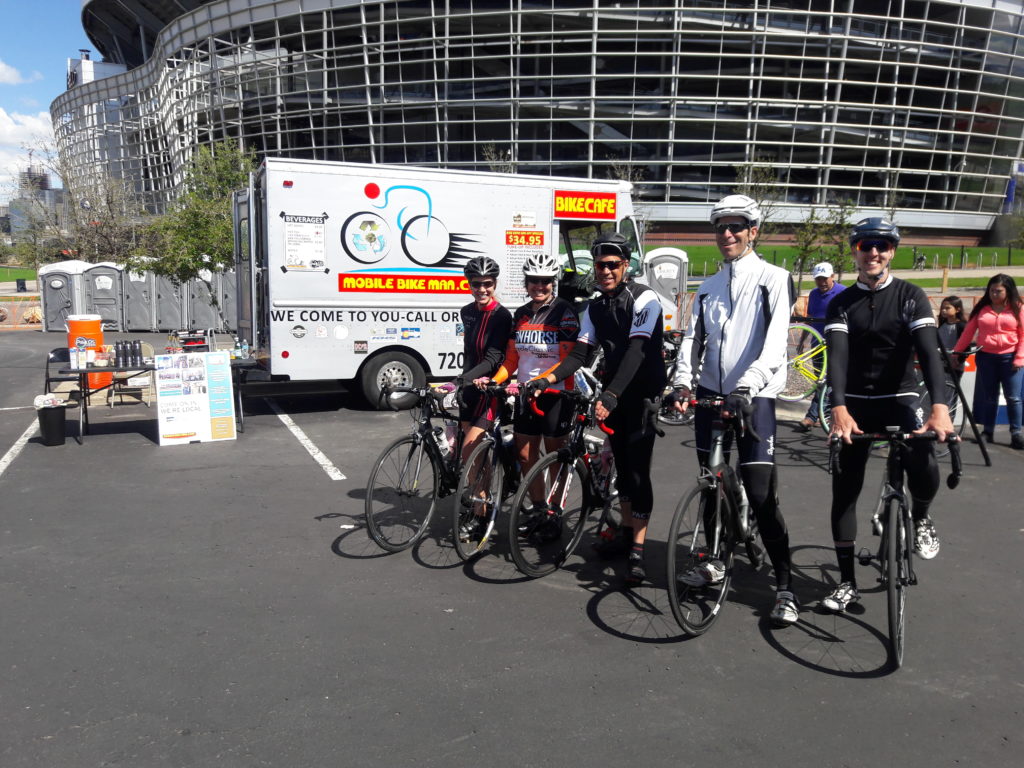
(573, 395)
(894, 437)
(651, 408)
(743, 419)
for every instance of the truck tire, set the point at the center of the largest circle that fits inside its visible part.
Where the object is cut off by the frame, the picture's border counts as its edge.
(394, 367)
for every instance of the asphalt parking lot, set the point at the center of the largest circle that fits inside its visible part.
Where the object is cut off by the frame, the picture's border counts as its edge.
(221, 604)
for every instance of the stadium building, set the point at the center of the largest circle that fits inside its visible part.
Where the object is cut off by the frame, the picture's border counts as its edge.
(908, 105)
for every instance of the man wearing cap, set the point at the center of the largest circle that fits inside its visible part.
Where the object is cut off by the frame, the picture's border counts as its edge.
(817, 302)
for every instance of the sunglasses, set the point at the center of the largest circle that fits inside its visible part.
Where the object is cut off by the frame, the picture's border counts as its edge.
(866, 246)
(608, 265)
(733, 226)
(477, 284)
(540, 280)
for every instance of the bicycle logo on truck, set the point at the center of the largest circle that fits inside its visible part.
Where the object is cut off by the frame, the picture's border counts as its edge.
(369, 238)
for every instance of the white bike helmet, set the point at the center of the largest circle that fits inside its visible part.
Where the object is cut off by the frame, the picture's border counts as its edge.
(736, 205)
(540, 265)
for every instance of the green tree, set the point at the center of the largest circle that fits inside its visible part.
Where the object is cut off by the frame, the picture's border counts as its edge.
(835, 234)
(807, 239)
(196, 235)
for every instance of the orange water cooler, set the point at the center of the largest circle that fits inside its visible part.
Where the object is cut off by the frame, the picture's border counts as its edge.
(89, 328)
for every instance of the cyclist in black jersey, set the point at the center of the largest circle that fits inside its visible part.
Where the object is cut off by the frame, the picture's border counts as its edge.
(544, 331)
(486, 326)
(873, 330)
(625, 321)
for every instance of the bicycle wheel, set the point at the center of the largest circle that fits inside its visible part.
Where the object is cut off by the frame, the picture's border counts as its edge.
(541, 540)
(671, 417)
(478, 498)
(400, 494)
(611, 511)
(697, 535)
(804, 367)
(897, 578)
(955, 413)
(825, 409)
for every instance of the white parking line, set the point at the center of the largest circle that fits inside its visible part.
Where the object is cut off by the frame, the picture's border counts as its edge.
(318, 456)
(19, 444)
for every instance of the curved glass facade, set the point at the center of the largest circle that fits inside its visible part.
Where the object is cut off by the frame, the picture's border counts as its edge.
(889, 103)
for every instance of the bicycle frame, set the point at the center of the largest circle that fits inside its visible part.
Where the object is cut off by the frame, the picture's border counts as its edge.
(723, 478)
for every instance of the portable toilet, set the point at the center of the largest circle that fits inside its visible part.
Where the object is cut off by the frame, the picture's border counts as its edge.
(229, 299)
(139, 292)
(101, 290)
(666, 271)
(60, 291)
(200, 292)
(168, 305)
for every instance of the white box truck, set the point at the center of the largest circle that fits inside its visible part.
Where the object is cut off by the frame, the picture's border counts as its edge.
(353, 272)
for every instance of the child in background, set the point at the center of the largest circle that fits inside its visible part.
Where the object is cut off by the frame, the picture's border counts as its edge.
(951, 324)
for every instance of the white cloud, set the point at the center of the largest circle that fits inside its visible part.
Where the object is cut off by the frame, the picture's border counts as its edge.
(16, 132)
(11, 76)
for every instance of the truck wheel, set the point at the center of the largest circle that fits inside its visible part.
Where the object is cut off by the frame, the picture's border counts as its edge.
(395, 368)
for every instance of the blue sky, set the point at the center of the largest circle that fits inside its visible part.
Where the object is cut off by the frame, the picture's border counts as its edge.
(37, 38)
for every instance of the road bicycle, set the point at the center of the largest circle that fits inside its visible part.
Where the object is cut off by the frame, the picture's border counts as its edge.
(575, 482)
(895, 526)
(710, 522)
(667, 414)
(414, 471)
(807, 359)
(490, 475)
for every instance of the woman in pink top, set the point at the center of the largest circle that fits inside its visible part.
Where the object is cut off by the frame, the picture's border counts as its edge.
(998, 322)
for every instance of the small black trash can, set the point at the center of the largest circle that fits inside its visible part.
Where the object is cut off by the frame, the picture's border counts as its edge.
(52, 424)
(19, 286)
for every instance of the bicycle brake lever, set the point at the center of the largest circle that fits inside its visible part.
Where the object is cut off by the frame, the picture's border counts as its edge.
(954, 457)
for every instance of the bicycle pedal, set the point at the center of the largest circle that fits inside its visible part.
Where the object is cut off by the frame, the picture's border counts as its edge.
(865, 557)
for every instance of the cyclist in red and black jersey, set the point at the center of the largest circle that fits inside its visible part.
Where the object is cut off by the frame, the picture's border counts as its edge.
(486, 327)
(544, 331)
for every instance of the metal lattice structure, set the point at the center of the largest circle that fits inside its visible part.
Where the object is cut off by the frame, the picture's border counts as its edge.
(889, 103)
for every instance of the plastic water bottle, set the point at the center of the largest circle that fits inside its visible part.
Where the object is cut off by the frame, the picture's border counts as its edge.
(442, 442)
(245, 349)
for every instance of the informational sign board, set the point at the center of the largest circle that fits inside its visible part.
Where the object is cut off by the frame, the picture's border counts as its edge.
(195, 397)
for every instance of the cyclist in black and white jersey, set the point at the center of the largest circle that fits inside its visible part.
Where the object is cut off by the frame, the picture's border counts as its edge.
(735, 347)
(873, 331)
(625, 321)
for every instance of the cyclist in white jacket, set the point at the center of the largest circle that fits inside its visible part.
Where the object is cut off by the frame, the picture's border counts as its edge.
(735, 347)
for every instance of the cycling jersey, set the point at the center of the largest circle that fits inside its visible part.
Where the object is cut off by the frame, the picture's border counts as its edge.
(631, 311)
(486, 333)
(738, 330)
(872, 335)
(540, 340)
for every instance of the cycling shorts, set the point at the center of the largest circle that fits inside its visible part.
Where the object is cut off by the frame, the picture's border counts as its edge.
(478, 408)
(556, 421)
(750, 450)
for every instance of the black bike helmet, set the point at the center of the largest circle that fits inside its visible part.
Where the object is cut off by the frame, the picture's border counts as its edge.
(482, 266)
(610, 243)
(875, 227)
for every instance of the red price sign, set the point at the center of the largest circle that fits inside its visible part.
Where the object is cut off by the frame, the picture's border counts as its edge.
(524, 237)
